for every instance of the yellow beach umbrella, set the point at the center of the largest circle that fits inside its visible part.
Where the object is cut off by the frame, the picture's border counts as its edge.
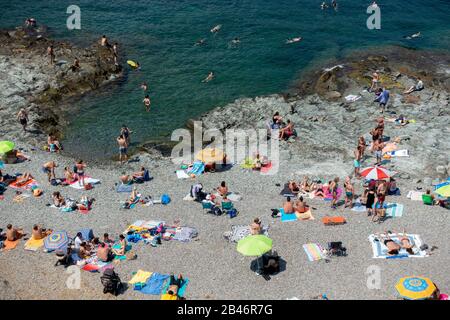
(209, 155)
(415, 288)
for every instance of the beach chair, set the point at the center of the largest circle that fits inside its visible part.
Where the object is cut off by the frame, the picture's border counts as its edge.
(207, 206)
(427, 199)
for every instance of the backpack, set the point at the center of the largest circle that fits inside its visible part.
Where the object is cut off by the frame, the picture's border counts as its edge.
(233, 213)
(165, 199)
(111, 282)
(216, 211)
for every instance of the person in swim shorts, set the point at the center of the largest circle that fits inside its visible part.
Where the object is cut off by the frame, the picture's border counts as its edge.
(123, 146)
(349, 190)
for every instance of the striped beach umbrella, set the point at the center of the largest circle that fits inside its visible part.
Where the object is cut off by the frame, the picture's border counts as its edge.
(376, 173)
(415, 288)
(444, 191)
(56, 240)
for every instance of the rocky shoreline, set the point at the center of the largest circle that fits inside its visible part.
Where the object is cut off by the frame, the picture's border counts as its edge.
(29, 81)
(328, 126)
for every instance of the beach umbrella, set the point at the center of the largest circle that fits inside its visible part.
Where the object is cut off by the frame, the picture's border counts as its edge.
(254, 245)
(444, 191)
(6, 146)
(56, 240)
(209, 155)
(376, 173)
(415, 288)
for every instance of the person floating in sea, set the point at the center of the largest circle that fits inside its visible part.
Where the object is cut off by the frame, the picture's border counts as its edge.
(323, 6)
(374, 4)
(123, 147)
(22, 116)
(334, 4)
(200, 42)
(144, 86)
(209, 77)
(415, 35)
(293, 40)
(236, 41)
(216, 29)
(51, 54)
(147, 102)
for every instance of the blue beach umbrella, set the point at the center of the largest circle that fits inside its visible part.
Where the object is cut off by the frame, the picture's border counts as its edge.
(56, 240)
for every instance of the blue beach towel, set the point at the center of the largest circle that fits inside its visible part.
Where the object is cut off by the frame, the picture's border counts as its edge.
(155, 284)
(197, 168)
(287, 216)
(124, 188)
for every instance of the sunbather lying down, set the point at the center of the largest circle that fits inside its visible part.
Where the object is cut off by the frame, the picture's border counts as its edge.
(23, 179)
(394, 247)
(134, 197)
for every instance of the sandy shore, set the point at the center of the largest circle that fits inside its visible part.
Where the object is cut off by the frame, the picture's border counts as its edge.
(215, 268)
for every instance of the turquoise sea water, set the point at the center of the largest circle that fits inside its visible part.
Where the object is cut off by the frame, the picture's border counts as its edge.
(160, 35)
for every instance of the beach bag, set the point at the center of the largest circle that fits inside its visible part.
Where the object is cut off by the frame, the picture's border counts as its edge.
(165, 199)
(88, 186)
(336, 249)
(215, 210)
(232, 213)
(111, 282)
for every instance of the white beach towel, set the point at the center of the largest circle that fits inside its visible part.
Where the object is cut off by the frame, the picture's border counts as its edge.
(415, 195)
(352, 98)
(394, 210)
(76, 185)
(398, 153)
(380, 250)
(181, 174)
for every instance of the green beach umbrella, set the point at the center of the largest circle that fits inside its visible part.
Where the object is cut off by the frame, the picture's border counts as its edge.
(6, 146)
(444, 191)
(254, 246)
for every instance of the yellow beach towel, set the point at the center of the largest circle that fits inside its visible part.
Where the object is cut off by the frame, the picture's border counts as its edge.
(140, 277)
(305, 216)
(33, 244)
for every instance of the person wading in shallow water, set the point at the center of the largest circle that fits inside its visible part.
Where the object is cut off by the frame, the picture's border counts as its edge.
(123, 145)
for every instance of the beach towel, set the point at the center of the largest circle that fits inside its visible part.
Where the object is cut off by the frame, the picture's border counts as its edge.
(239, 232)
(394, 210)
(197, 168)
(33, 244)
(358, 207)
(181, 289)
(285, 217)
(415, 195)
(122, 257)
(234, 197)
(266, 168)
(380, 250)
(76, 184)
(124, 188)
(19, 198)
(140, 277)
(24, 186)
(155, 284)
(329, 195)
(92, 264)
(185, 234)
(389, 147)
(248, 163)
(10, 245)
(398, 153)
(181, 174)
(305, 216)
(314, 251)
(352, 98)
(286, 192)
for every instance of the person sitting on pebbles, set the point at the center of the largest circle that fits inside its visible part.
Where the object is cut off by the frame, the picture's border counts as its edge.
(122, 246)
(301, 206)
(288, 207)
(104, 253)
(222, 189)
(13, 234)
(39, 233)
(58, 199)
(255, 226)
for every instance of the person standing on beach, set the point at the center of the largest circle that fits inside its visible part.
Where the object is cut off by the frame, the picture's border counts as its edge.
(79, 168)
(375, 81)
(378, 148)
(49, 169)
(123, 146)
(361, 146)
(333, 187)
(51, 54)
(22, 116)
(115, 52)
(357, 162)
(383, 99)
(147, 102)
(349, 191)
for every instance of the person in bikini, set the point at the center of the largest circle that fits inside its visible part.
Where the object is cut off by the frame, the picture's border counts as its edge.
(405, 242)
(305, 186)
(293, 187)
(255, 226)
(222, 189)
(288, 207)
(287, 131)
(333, 187)
(392, 246)
(69, 176)
(22, 116)
(80, 166)
(357, 163)
(361, 146)
(300, 205)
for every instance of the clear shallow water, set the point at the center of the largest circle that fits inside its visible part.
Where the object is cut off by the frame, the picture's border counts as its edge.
(160, 35)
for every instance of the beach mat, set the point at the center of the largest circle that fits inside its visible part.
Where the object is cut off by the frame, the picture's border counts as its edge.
(155, 284)
(10, 245)
(398, 153)
(415, 195)
(76, 184)
(25, 186)
(140, 277)
(394, 210)
(181, 174)
(267, 168)
(305, 216)
(124, 188)
(313, 251)
(358, 207)
(285, 217)
(33, 244)
(286, 192)
(379, 250)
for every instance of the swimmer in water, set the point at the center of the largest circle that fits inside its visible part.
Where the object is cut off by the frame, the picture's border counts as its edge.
(236, 41)
(415, 35)
(216, 28)
(144, 86)
(200, 42)
(334, 4)
(209, 77)
(293, 40)
(323, 6)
